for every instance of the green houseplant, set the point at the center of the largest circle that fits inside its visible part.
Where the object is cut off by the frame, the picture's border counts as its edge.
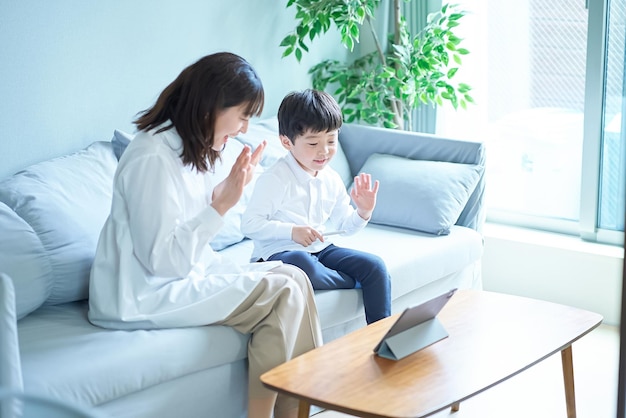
(384, 86)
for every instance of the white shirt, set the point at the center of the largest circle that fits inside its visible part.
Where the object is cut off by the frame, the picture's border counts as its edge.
(154, 266)
(285, 196)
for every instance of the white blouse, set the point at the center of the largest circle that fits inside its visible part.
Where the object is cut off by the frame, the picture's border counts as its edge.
(285, 196)
(154, 266)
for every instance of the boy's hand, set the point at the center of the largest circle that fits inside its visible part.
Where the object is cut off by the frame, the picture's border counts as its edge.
(305, 235)
(363, 195)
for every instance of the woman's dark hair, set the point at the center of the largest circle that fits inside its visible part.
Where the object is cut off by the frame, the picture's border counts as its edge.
(308, 110)
(191, 102)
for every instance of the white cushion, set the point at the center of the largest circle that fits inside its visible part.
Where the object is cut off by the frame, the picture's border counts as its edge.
(264, 130)
(65, 201)
(23, 257)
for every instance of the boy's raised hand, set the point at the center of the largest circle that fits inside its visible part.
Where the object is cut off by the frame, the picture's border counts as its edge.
(363, 195)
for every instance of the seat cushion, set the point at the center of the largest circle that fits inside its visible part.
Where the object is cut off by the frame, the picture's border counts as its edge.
(116, 363)
(66, 357)
(414, 260)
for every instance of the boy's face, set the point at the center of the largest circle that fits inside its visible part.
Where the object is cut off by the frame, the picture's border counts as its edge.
(312, 150)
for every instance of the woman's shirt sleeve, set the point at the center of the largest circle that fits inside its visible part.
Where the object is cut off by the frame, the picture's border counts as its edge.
(170, 219)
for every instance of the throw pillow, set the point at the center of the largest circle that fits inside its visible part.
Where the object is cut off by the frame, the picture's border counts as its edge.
(340, 164)
(23, 257)
(65, 202)
(120, 141)
(426, 196)
(266, 129)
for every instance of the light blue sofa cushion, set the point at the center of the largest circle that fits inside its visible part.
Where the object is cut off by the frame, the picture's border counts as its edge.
(425, 196)
(65, 201)
(23, 257)
(120, 141)
(258, 131)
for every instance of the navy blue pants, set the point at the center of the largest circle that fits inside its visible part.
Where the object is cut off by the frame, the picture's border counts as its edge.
(344, 268)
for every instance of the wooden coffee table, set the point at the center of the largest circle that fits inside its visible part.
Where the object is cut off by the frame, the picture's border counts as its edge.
(492, 338)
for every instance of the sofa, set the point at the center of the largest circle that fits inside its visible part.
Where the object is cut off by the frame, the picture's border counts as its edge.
(427, 226)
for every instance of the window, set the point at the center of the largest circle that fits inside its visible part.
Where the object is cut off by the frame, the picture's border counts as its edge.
(548, 80)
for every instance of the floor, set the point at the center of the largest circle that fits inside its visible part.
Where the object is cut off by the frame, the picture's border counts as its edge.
(538, 391)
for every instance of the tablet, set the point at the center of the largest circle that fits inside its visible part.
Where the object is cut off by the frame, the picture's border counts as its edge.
(411, 317)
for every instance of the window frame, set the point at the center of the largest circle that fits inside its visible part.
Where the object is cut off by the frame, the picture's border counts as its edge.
(595, 79)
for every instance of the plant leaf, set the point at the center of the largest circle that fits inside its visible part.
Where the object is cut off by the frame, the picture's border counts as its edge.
(287, 51)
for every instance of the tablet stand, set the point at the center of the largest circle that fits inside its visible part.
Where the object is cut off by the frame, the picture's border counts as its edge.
(413, 339)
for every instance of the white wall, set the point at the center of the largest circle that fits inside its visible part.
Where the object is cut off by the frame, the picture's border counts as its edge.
(72, 71)
(555, 268)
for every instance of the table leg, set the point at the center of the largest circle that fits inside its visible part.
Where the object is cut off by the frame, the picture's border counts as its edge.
(456, 406)
(304, 409)
(568, 379)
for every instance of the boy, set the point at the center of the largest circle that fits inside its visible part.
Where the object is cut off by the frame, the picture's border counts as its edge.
(294, 199)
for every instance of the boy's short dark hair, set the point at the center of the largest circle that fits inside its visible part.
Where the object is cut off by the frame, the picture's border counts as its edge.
(308, 110)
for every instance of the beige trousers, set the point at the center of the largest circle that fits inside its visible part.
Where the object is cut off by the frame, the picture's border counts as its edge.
(281, 316)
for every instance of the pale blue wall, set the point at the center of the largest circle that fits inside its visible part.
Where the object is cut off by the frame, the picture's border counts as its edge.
(72, 71)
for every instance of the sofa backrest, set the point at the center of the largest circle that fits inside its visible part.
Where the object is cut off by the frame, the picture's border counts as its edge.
(51, 213)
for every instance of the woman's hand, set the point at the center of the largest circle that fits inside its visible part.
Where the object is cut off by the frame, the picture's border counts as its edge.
(363, 195)
(229, 191)
(254, 160)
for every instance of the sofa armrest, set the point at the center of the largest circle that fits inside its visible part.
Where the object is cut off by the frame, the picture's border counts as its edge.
(10, 364)
(360, 141)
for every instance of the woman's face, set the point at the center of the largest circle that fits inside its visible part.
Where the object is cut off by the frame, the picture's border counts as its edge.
(229, 123)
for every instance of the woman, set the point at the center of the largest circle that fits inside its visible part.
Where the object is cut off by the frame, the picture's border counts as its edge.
(154, 267)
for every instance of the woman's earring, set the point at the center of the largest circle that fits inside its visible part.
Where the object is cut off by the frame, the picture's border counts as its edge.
(223, 147)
